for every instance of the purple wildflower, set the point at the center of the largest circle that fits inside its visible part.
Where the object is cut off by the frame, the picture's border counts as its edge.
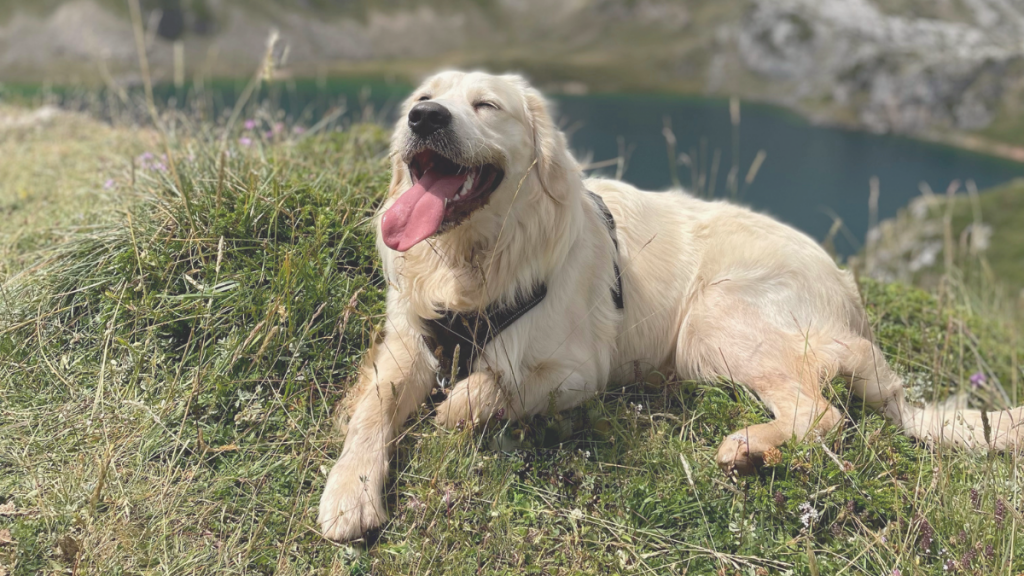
(109, 184)
(149, 161)
(1000, 513)
(250, 124)
(978, 379)
(896, 572)
(927, 534)
(967, 558)
(245, 141)
(975, 498)
(298, 130)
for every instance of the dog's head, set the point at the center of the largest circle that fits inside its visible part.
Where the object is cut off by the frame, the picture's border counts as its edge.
(463, 146)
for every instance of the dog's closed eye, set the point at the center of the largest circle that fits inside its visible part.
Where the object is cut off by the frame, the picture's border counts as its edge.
(484, 104)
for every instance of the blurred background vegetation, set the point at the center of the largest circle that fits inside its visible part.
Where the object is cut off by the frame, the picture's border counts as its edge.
(911, 66)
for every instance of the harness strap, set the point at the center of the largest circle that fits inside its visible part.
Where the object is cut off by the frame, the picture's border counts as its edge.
(609, 222)
(470, 332)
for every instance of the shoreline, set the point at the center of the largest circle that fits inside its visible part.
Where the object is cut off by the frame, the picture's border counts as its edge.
(397, 80)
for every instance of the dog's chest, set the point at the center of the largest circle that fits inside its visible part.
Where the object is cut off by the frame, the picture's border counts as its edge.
(457, 339)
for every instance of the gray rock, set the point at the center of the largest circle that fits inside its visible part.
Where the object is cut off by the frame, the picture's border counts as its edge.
(898, 73)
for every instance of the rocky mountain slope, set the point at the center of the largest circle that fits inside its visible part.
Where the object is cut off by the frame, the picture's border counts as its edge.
(893, 71)
(923, 67)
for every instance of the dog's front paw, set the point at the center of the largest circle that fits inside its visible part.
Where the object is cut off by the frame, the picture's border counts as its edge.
(472, 401)
(352, 503)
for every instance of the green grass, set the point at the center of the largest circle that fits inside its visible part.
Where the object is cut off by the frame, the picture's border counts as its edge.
(168, 375)
(52, 177)
(994, 268)
(1002, 208)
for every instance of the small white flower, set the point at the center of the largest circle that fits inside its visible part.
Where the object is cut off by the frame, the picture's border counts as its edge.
(622, 557)
(808, 514)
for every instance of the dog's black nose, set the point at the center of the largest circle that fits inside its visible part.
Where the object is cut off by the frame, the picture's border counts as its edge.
(426, 118)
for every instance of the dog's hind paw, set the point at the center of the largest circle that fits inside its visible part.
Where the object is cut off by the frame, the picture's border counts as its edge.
(734, 456)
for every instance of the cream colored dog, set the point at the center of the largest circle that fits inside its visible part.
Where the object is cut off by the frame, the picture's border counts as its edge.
(486, 205)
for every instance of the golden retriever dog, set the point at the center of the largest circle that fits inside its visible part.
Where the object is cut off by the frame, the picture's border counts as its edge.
(574, 282)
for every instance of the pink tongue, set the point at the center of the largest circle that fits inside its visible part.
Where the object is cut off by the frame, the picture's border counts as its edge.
(419, 211)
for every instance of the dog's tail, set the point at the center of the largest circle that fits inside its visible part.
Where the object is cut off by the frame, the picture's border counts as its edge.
(949, 423)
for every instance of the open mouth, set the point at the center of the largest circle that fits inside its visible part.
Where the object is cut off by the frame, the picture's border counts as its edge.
(477, 181)
(443, 194)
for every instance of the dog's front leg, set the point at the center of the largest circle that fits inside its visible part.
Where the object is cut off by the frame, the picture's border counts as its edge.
(473, 400)
(393, 381)
(487, 394)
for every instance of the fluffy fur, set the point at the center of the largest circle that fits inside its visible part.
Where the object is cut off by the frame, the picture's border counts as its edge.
(711, 290)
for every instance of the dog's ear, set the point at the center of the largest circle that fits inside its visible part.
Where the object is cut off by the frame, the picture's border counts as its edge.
(555, 166)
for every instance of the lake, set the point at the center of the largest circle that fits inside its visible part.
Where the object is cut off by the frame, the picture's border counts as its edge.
(809, 176)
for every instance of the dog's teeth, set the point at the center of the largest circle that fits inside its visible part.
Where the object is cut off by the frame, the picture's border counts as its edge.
(467, 185)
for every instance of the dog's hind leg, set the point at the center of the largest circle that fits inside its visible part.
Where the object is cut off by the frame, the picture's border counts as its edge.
(800, 412)
(784, 369)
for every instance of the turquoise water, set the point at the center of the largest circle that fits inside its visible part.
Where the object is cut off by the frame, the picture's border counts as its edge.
(810, 174)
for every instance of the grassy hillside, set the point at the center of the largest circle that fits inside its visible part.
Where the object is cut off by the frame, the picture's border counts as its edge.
(57, 172)
(983, 240)
(1002, 209)
(167, 377)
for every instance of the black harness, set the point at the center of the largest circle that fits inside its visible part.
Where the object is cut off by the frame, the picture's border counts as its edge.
(609, 222)
(457, 339)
